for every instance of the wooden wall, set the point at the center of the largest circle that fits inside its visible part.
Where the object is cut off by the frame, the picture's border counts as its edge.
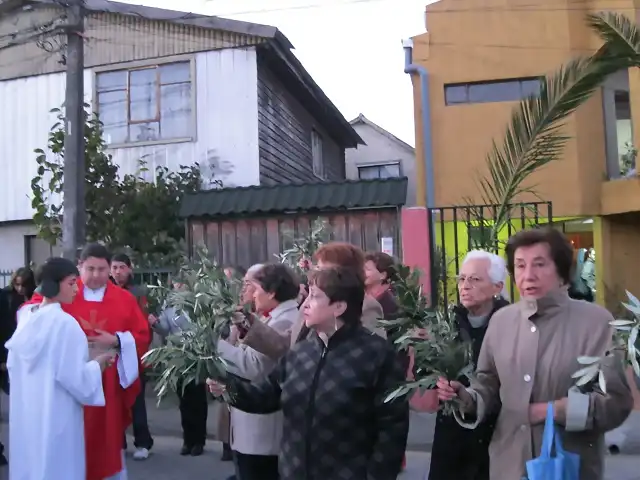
(248, 241)
(284, 136)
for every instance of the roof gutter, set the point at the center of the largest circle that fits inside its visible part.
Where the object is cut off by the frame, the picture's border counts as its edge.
(411, 69)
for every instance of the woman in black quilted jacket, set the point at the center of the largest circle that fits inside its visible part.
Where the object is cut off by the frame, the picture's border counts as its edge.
(331, 389)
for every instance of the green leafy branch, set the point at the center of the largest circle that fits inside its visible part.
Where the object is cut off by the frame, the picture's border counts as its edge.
(299, 255)
(208, 300)
(439, 352)
(430, 332)
(625, 342)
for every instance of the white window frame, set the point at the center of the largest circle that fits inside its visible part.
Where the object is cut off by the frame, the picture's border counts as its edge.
(128, 66)
(379, 165)
(317, 156)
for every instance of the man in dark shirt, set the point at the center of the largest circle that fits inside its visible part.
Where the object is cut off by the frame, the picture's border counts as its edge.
(122, 275)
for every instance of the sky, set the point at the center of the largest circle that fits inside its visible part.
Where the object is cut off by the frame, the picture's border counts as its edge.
(352, 48)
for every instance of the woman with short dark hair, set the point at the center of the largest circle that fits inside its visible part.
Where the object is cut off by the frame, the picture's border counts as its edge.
(331, 389)
(275, 283)
(527, 360)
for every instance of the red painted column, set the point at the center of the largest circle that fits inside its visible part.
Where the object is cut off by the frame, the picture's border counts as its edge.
(415, 241)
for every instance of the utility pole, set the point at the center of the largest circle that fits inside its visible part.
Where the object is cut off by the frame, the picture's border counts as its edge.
(73, 221)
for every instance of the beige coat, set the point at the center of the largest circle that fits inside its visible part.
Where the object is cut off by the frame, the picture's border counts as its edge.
(249, 433)
(275, 344)
(224, 415)
(528, 356)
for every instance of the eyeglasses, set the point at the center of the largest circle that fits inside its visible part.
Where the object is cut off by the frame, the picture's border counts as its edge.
(471, 280)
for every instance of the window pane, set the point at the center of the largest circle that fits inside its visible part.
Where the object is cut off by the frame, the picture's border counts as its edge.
(143, 98)
(455, 94)
(175, 72)
(531, 87)
(144, 132)
(111, 81)
(622, 105)
(175, 110)
(494, 92)
(368, 173)
(112, 110)
(390, 171)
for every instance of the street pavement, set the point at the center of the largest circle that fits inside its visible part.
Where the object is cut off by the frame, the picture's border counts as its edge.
(165, 462)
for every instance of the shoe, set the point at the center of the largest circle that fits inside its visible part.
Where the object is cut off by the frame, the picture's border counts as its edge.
(197, 450)
(185, 450)
(141, 454)
(227, 456)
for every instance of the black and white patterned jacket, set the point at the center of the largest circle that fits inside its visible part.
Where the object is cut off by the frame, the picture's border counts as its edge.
(336, 424)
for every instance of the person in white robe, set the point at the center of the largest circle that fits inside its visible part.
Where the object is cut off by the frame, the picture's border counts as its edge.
(52, 377)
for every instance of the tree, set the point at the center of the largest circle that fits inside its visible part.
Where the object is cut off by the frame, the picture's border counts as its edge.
(123, 212)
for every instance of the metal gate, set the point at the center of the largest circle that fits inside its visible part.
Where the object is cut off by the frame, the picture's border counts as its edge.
(455, 230)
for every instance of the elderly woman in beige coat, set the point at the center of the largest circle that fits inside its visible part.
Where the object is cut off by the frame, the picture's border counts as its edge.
(528, 357)
(255, 439)
(332, 254)
(248, 289)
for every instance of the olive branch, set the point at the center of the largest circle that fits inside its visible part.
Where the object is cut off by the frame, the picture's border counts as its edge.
(208, 300)
(439, 352)
(625, 341)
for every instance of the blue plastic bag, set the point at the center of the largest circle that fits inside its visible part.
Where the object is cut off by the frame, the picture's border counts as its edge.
(562, 466)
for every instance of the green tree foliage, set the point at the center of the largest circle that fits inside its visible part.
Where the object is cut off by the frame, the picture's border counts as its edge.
(124, 212)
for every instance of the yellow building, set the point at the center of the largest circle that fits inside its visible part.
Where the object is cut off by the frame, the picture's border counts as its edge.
(477, 59)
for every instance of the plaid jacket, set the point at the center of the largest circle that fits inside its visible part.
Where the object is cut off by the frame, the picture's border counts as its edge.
(336, 424)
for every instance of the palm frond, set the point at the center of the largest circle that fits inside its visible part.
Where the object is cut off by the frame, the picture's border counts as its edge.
(620, 35)
(534, 137)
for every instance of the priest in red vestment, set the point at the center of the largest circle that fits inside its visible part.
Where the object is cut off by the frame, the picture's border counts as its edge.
(112, 320)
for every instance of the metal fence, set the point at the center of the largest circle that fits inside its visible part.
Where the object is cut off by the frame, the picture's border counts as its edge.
(456, 230)
(153, 276)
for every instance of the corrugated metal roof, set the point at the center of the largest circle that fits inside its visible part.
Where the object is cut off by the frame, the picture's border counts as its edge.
(321, 196)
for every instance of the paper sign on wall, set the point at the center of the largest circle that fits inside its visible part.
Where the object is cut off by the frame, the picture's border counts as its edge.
(386, 245)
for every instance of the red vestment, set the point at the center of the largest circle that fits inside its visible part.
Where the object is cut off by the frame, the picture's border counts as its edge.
(105, 426)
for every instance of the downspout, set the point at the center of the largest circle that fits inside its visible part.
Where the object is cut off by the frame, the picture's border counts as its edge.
(427, 152)
(411, 68)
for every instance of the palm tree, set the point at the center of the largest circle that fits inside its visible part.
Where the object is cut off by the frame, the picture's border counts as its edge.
(620, 35)
(534, 136)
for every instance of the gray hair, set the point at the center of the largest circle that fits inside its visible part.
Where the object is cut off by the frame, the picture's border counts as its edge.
(497, 265)
(253, 269)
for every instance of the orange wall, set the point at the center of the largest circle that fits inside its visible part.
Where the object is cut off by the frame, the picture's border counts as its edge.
(476, 40)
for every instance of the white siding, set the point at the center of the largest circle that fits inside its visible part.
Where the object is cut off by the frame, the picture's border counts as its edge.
(227, 129)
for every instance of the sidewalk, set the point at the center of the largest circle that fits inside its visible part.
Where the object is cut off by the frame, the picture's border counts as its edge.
(165, 463)
(164, 420)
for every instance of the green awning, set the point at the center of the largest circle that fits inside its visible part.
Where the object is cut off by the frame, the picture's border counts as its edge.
(288, 198)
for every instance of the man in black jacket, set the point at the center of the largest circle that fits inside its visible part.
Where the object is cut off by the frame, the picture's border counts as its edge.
(459, 453)
(122, 275)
